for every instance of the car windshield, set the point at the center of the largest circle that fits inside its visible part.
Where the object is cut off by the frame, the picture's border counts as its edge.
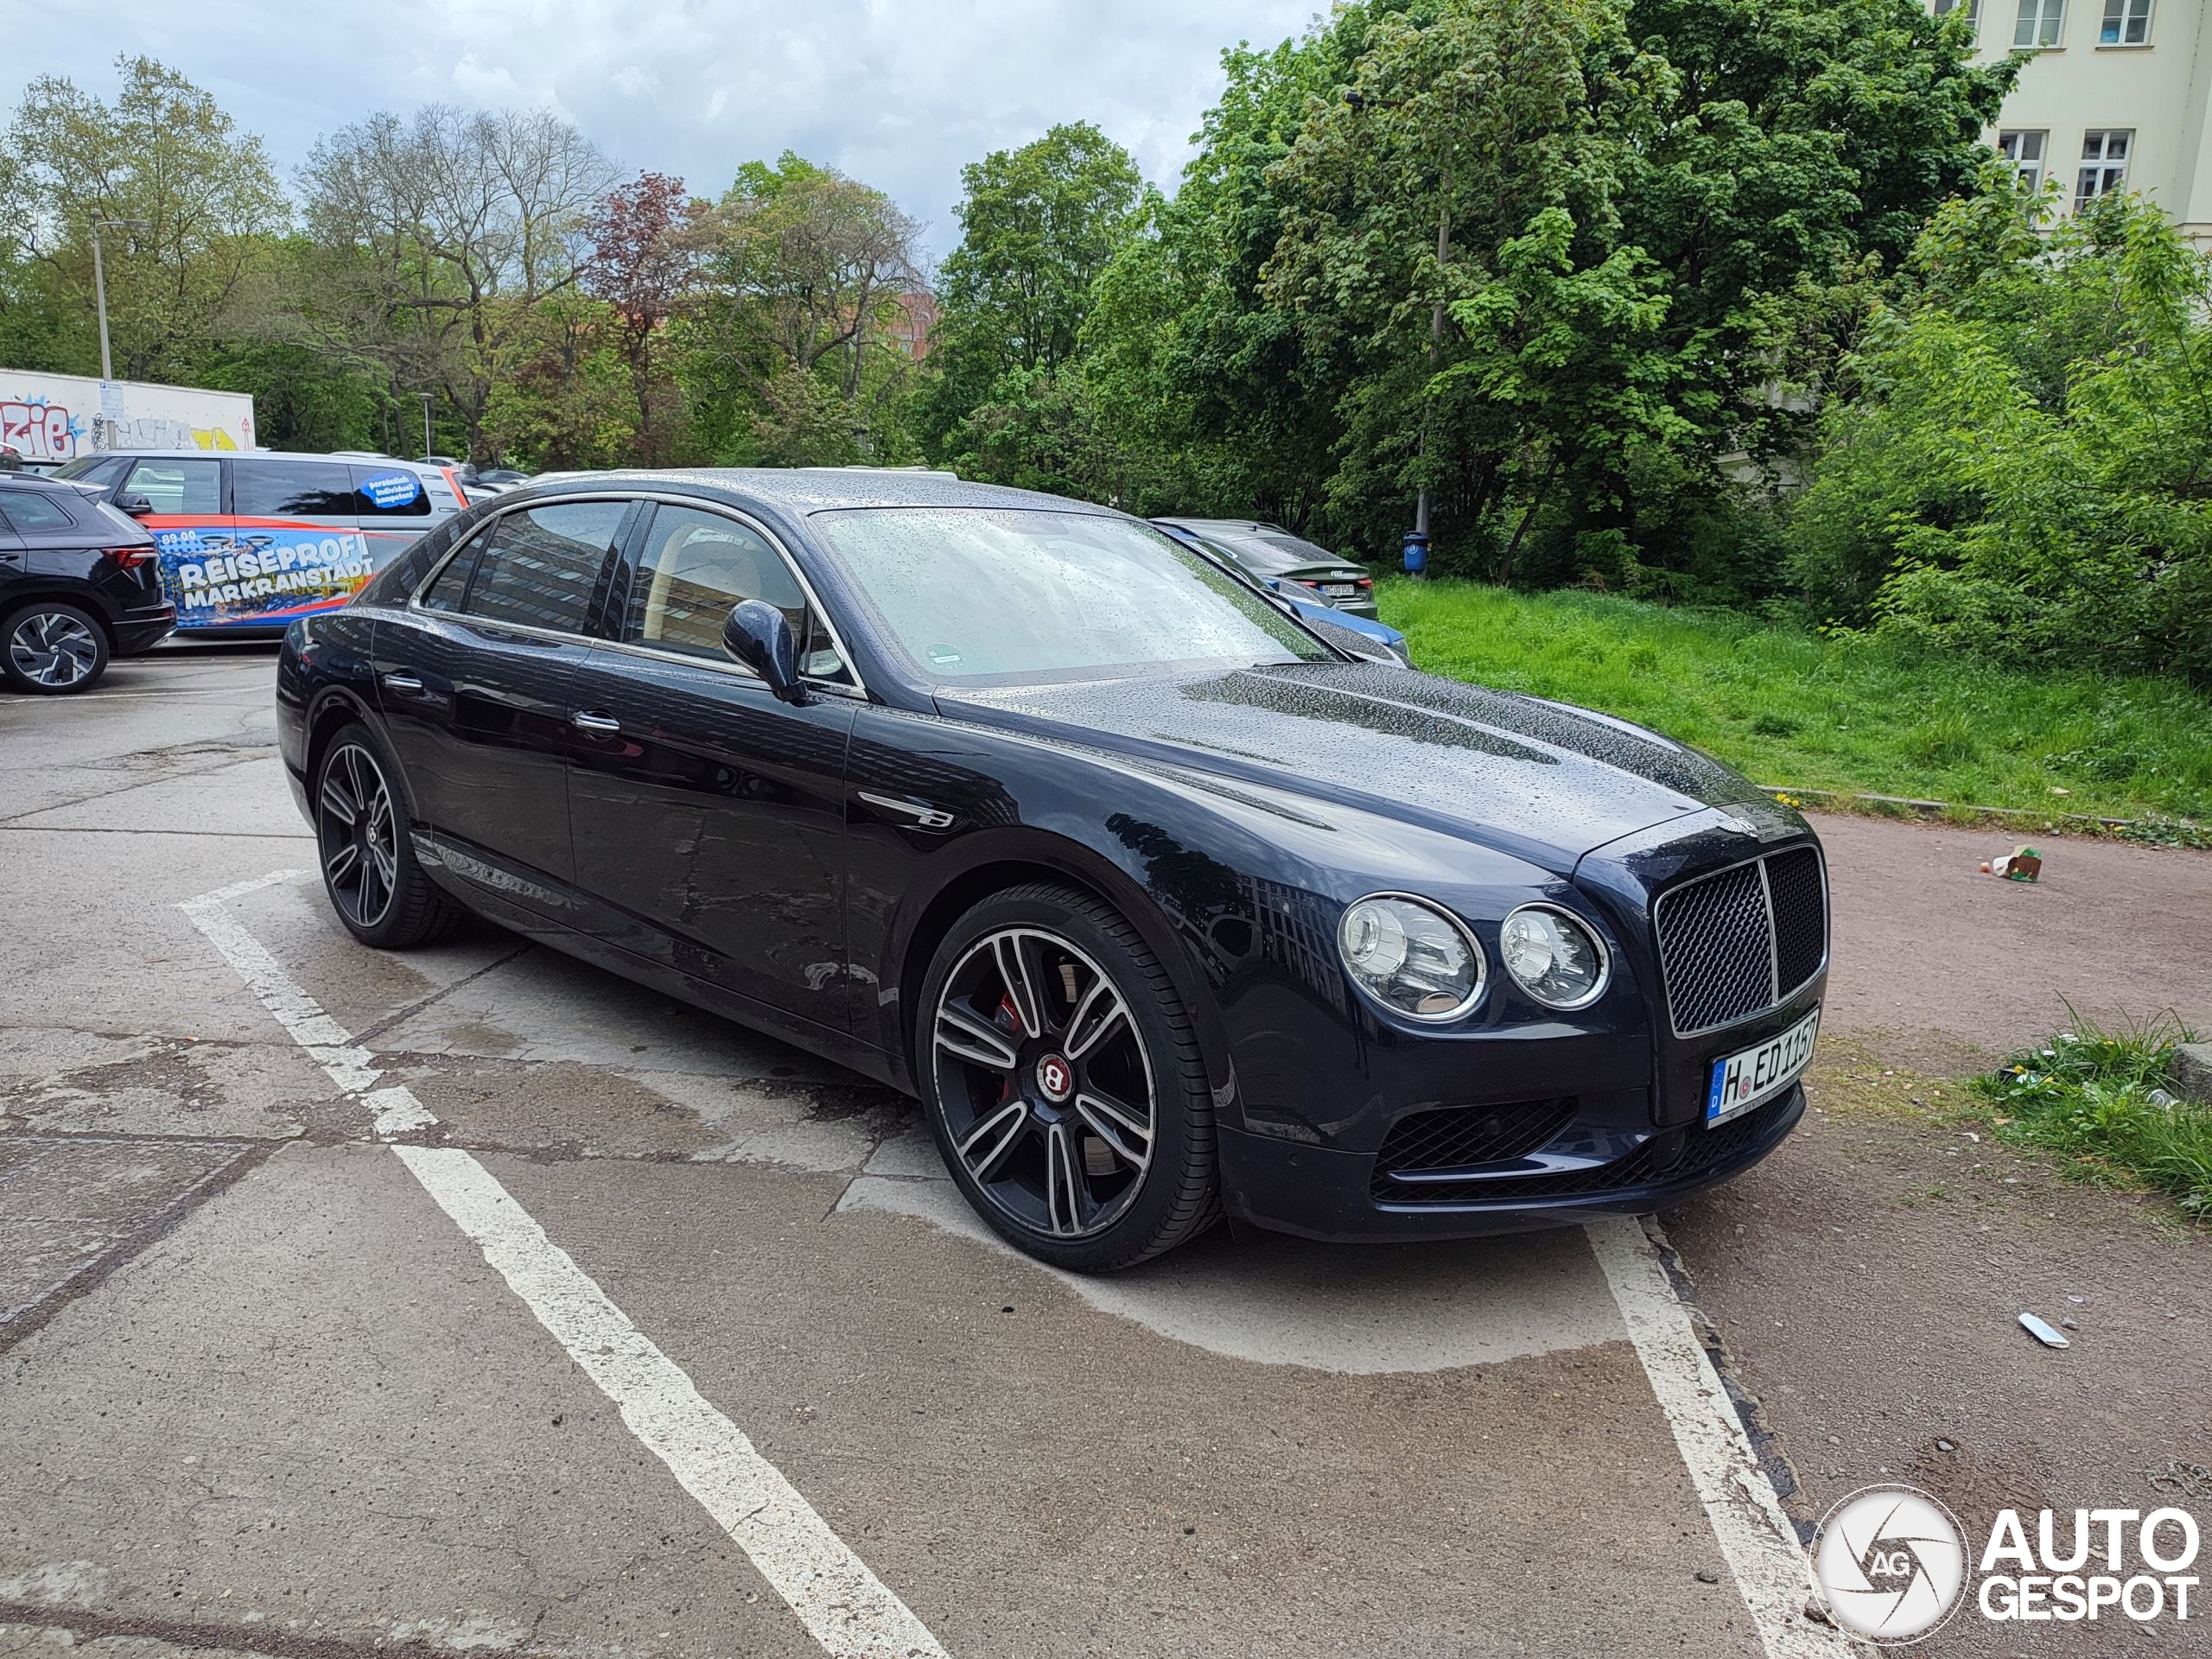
(981, 595)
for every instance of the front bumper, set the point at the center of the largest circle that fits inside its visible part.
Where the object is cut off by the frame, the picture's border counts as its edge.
(1326, 1193)
(1345, 1126)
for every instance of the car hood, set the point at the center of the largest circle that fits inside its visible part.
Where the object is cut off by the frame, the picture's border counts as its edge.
(1538, 779)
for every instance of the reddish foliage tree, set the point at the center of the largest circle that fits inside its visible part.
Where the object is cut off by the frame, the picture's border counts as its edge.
(646, 237)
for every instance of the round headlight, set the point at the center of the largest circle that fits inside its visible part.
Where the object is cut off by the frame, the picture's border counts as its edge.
(1554, 958)
(1410, 957)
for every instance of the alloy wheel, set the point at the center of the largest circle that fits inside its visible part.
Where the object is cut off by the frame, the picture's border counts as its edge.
(354, 824)
(1043, 1078)
(52, 649)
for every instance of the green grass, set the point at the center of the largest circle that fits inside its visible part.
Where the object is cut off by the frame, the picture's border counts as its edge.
(2088, 1095)
(1863, 715)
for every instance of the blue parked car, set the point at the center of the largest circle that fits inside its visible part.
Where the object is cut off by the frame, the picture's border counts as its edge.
(1300, 597)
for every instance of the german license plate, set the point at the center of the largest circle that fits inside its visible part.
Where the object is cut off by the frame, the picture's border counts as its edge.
(1740, 1081)
(1339, 590)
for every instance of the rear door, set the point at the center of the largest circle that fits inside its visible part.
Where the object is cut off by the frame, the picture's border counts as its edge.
(296, 541)
(477, 677)
(708, 817)
(69, 536)
(12, 562)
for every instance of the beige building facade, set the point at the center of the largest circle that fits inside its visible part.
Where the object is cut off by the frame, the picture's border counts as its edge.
(2113, 97)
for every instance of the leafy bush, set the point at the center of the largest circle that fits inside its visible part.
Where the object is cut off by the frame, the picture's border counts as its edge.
(2090, 1093)
(2027, 472)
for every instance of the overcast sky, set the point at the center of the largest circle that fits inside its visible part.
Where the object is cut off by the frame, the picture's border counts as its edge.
(899, 95)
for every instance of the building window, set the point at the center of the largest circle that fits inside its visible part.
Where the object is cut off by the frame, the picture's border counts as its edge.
(2104, 165)
(1972, 7)
(2127, 22)
(2039, 23)
(2025, 152)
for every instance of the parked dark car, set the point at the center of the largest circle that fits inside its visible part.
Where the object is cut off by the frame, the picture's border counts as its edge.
(1164, 906)
(1271, 552)
(78, 586)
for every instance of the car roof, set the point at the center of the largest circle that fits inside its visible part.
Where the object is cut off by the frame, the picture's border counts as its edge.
(819, 489)
(355, 455)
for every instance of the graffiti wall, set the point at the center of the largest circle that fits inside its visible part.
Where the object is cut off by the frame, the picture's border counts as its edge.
(55, 417)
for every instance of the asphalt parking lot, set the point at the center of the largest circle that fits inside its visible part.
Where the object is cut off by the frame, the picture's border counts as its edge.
(476, 1300)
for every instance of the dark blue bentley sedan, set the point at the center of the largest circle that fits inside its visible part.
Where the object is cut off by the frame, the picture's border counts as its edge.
(1164, 906)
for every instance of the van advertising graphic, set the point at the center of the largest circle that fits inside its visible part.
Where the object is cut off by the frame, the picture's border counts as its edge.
(260, 573)
(389, 490)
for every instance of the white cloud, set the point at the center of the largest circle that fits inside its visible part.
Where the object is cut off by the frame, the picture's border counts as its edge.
(898, 93)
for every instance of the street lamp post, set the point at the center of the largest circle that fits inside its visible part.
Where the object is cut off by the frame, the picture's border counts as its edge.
(1416, 539)
(1416, 550)
(427, 449)
(100, 222)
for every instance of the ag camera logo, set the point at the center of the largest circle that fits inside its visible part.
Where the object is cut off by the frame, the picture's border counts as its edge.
(1891, 1562)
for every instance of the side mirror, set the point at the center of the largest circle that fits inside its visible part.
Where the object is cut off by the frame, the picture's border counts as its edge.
(136, 505)
(759, 636)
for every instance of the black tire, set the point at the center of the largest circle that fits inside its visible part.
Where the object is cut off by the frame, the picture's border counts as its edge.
(52, 649)
(1063, 1163)
(369, 870)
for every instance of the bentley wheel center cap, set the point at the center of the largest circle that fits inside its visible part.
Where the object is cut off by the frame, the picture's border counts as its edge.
(1055, 1078)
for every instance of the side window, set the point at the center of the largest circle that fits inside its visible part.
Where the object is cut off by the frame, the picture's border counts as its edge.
(34, 514)
(388, 492)
(291, 489)
(178, 485)
(100, 470)
(542, 562)
(696, 566)
(450, 590)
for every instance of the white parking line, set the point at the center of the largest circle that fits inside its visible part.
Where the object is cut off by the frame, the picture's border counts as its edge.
(1757, 1540)
(844, 1606)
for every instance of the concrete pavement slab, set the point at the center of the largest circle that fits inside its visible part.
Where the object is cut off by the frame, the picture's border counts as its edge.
(314, 1409)
(96, 943)
(247, 795)
(1034, 1477)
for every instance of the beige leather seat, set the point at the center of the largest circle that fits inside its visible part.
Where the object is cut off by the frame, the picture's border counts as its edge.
(697, 576)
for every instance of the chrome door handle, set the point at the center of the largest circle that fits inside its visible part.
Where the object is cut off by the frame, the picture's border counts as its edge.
(584, 720)
(403, 683)
(921, 812)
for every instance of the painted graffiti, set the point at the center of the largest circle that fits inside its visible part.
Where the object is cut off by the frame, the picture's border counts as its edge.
(38, 430)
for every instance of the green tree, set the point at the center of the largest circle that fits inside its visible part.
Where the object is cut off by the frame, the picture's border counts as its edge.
(162, 151)
(792, 345)
(1734, 176)
(1186, 356)
(1038, 226)
(443, 237)
(2034, 485)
